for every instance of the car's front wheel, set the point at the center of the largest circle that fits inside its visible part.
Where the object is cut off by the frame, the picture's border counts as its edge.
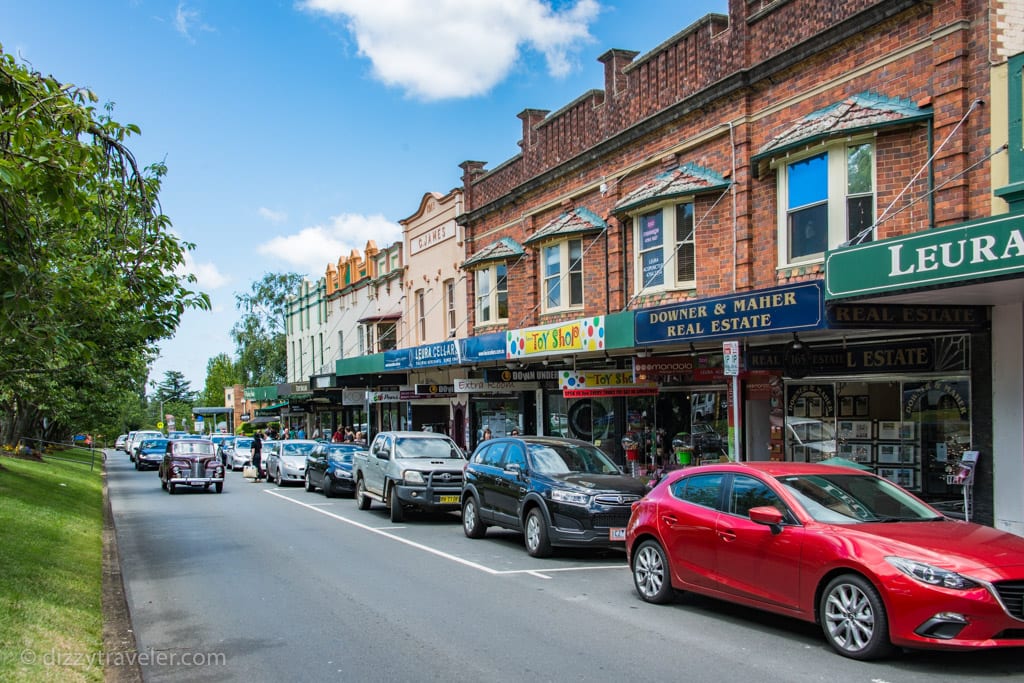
(853, 618)
(309, 484)
(280, 477)
(170, 487)
(397, 513)
(328, 487)
(363, 501)
(218, 487)
(651, 573)
(536, 532)
(471, 522)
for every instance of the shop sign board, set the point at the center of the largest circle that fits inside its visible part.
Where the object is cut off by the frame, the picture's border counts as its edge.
(431, 237)
(353, 397)
(433, 389)
(484, 347)
(509, 375)
(985, 248)
(911, 356)
(383, 396)
(610, 392)
(591, 379)
(905, 316)
(790, 308)
(431, 355)
(473, 386)
(574, 336)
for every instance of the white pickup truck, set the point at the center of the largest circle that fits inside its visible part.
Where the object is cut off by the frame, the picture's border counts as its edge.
(421, 470)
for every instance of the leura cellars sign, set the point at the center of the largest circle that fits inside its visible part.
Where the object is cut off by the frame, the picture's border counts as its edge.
(986, 248)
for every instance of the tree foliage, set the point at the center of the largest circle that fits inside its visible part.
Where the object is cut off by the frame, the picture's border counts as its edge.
(260, 334)
(88, 265)
(221, 372)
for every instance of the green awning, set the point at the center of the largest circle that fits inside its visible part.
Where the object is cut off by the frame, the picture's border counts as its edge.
(267, 410)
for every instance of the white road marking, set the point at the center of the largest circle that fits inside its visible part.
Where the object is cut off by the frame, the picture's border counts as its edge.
(538, 573)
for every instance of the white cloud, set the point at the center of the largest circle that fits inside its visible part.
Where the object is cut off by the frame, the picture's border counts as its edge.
(208, 276)
(187, 21)
(437, 49)
(273, 216)
(310, 250)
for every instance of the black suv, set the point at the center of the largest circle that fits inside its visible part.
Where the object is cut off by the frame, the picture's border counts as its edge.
(558, 492)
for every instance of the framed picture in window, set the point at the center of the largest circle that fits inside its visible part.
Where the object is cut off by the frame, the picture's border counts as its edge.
(814, 406)
(889, 453)
(800, 407)
(858, 452)
(861, 406)
(846, 406)
(888, 430)
(854, 429)
(902, 476)
(799, 454)
(908, 431)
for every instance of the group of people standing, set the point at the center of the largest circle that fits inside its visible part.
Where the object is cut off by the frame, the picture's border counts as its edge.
(348, 436)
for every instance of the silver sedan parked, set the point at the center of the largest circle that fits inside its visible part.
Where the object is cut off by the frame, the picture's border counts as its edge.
(287, 463)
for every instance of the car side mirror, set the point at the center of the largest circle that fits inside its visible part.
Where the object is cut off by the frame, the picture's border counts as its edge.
(769, 516)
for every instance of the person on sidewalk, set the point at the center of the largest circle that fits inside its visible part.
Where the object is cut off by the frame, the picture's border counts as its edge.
(257, 454)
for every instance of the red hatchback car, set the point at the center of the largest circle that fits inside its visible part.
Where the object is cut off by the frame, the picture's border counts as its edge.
(875, 566)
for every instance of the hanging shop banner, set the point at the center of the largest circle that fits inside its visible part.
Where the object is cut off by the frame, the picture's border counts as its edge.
(483, 347)
(611, 392)
(398, 359)
(383, 396)
(575, 336)
(448, 352)
(791, 308)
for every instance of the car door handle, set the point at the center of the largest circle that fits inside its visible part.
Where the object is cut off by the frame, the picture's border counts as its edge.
(669, 519)
(727, 534)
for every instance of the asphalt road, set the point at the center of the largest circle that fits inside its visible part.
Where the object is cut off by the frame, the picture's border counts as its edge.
(266, 584)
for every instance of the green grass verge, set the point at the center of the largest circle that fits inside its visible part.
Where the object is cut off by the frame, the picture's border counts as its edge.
(51, 571)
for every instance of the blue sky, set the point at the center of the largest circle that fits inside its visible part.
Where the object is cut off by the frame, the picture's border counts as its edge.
(294, 131)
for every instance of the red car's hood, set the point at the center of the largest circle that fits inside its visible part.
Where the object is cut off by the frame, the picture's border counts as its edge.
(965, 544)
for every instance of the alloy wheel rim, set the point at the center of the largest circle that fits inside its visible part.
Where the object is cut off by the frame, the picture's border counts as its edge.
(849, 618)
(649, 571)
(469, 516)
(532, 532)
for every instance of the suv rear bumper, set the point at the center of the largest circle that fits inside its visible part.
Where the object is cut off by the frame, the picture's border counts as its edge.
(430, 498)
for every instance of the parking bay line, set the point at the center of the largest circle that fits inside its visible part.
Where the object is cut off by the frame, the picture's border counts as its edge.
(538, 573)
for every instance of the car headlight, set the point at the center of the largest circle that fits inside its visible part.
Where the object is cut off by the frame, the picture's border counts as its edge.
(569, 497)
(342, 474)
(931, 575)
(413, 476)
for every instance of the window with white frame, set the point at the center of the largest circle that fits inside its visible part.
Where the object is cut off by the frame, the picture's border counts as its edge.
(421, 314)
(825, 199)
(449, 297)
(492, 294)
(562, 275)
(666, 254)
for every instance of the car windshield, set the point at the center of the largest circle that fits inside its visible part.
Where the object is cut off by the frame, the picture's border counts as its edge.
(568, 458)
(190, 447)
(417, 447)
(243, 443)
(291, 448)
(154, 443)
(854, 498)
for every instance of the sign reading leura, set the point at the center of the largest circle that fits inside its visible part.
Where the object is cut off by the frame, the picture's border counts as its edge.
(573, 336)
(989, 247)
(790, 308)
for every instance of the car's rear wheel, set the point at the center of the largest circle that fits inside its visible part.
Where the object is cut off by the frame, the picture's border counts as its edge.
(536, 534)
(471, 522)
(397, 513)
(363, 501)
(309, 484)
(853, 618)
(651, 574)
(170, 487)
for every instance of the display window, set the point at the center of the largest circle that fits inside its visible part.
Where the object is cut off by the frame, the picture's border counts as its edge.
(910, 430)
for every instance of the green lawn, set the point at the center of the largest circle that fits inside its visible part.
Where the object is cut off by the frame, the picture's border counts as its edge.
(51, 571)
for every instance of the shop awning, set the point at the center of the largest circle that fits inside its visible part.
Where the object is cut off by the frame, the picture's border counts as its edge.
(503, 250)
(579, 221)
(688, 179)
(266, 410)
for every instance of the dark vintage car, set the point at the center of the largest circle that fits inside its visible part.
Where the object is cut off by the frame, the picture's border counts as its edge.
(558, 492)
(151, 453)
(192, 463)
(329, 468)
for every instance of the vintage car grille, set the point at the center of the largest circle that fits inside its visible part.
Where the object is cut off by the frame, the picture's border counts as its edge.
(610, 519)
(445, 478)
(197, 469)
(1012, 595)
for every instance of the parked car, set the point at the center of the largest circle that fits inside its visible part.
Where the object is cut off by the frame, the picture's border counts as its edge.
(137, 438)
(120, 442)
(287, 463)
(192, 463)
(875, 566)
(409, 470)
(151, 453)
(128, 440)
(557, 491)
(329, 468)
(238, 452)
(270, 447)
(220, 441)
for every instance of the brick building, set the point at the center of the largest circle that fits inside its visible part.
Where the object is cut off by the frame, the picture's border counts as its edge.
(697, 199)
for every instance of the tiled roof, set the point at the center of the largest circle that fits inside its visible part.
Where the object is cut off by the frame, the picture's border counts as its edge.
(579, 220)
(865, 111)
(504, 249)
(683, 180)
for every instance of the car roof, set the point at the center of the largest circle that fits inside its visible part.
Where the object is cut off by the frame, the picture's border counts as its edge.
(542, 440)
(776, 468)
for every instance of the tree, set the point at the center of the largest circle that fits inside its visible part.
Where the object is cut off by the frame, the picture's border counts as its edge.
(87, 260)
(221, 372)
(175, 387)
(260, 336)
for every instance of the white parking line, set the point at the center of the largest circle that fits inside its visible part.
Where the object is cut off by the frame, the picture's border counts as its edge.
(538, 573)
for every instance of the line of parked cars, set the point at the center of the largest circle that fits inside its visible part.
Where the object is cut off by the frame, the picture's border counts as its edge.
(873, 565)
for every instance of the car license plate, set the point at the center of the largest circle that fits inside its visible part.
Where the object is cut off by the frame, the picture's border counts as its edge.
(617, 534)
(447, 499)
